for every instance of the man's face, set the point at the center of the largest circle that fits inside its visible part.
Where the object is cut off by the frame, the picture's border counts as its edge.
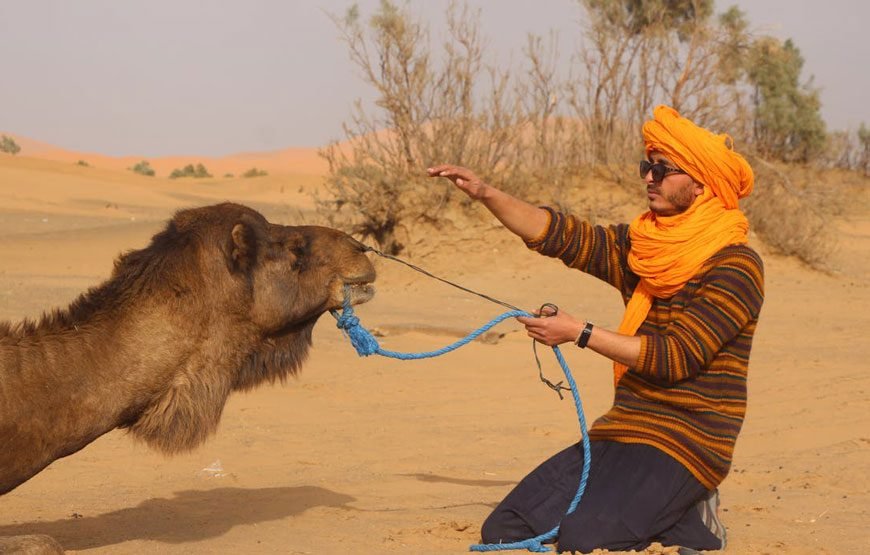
(674, 194)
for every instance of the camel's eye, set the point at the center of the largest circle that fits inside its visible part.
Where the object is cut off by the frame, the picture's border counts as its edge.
(300, 252)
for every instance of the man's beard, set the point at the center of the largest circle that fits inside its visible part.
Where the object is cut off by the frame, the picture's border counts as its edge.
(680, 200)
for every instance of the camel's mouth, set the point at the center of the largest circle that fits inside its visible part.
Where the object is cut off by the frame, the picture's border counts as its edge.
(359, 292)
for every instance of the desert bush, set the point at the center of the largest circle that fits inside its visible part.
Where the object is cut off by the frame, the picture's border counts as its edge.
(863, 158)
(254, 172)
(9, 146)
(785, 218)
(840, 151)
(847, 150)
(427, 113)
(143, 168)
(198, 171)
(83, 164)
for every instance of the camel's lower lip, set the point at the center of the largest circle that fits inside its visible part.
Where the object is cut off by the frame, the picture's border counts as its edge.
(360, 292)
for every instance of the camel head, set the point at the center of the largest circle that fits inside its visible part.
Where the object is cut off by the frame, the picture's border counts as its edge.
(296, 273)
(239, 297)
(274, 278)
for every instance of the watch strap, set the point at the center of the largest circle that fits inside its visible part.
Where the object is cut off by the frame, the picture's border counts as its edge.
(583, 339)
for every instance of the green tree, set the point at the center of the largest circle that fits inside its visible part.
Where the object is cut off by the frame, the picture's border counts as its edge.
(735, 45)
(787, 123)
(9, 146)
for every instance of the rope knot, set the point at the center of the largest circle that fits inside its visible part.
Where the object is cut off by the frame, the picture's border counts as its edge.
(347, 321)
(363, 341)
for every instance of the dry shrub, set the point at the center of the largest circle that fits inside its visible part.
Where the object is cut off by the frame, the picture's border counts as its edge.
(848, 150)
(430, 110)
(785, 219)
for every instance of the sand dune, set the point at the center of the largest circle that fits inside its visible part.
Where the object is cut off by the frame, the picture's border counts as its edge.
(380, 456)
(285, 161)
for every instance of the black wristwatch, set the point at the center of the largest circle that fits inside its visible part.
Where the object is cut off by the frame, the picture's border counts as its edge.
(584, 336)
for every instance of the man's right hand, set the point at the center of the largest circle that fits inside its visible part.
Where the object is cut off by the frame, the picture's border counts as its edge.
(518, 216)
(463, 178)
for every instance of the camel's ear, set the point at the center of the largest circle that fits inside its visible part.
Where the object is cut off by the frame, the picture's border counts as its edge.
(243, 251)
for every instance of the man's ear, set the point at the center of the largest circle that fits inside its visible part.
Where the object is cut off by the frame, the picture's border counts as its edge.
(243, 248)
(699, 189)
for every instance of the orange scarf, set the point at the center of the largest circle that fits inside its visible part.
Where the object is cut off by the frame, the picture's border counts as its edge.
(667, 251)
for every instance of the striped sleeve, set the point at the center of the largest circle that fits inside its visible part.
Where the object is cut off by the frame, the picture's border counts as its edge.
(597, 250)
(728, 297)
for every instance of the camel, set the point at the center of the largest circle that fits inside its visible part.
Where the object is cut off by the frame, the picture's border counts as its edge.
(221, 300)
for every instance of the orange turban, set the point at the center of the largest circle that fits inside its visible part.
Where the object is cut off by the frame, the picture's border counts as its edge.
(705, 156)
(667, 251)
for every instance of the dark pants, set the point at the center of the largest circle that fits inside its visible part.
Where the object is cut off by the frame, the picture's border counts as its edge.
(635, 495)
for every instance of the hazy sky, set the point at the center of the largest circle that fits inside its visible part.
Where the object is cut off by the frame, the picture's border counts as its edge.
(201, 77)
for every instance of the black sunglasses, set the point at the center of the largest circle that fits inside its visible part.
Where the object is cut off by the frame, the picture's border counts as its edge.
(659, 170)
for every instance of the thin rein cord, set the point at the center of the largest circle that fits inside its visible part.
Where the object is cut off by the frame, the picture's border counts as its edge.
(433, 276)
(557, 387)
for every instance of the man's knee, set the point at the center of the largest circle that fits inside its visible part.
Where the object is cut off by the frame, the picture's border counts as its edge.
(492, 529)
(584, 533)
(504, 526)
(581, 541)
(587, 543)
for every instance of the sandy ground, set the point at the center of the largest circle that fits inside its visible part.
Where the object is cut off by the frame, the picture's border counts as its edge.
(381, 456)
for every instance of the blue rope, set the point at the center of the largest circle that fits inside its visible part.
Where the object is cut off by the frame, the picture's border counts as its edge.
(366, 344)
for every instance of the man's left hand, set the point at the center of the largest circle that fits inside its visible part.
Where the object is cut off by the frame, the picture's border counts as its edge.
(552, 329)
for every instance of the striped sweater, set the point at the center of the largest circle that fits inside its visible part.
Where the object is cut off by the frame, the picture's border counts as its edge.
(686, 395)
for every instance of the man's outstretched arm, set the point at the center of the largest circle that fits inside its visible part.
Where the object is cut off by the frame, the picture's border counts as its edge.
(520, 217)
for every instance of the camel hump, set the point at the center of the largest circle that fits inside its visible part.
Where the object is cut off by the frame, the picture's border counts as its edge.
(34, 544)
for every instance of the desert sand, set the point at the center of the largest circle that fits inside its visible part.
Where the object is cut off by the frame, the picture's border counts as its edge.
(373, 455)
